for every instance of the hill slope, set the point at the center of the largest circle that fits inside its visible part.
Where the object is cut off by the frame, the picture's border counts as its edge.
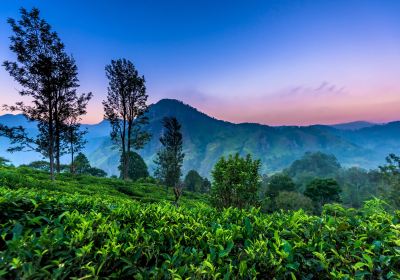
(206, 139)
(56, 231)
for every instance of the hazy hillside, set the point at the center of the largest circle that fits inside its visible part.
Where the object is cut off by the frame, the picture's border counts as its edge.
(206, 139)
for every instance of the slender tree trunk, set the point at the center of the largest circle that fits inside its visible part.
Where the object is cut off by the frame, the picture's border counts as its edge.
(57, 133)
(128, 143)
(71, 168)
(51, 141)
(57, 151)
(123, 138)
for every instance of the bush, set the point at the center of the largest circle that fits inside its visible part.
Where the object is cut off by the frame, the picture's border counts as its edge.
(293, 201)
(236, 182)
(54, 235)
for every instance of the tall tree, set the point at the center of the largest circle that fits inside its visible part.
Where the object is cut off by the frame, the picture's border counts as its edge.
(125, 108)
(47, 75)
(69, 107)
(170, 158)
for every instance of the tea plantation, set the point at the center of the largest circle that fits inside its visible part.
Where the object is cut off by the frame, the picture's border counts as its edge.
(91, 228)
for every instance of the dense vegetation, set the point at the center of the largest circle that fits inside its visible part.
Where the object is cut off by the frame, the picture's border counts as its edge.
(68, 221)
(91, 227)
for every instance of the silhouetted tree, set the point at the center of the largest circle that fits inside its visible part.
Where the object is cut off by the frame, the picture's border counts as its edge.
(74, 137)
(206, 186)
(83, 167)
(48, 75)
(4, 162)
(82, 164)
(125, 108)
(170, 158)
(69, 107)
(193, 181)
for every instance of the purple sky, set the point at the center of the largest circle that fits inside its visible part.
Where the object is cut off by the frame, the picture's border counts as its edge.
(273, 62)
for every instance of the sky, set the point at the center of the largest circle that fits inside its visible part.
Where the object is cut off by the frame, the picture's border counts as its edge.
(272, 62)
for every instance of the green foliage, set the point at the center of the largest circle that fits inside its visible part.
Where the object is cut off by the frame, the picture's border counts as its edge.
(322, 191)
(287, 200)
(137, 168)
(169, 159)
(236, 182)
(312, 165)
(193, 181)
(94, 171)
(391, 174)
(279, 182)
(4, 162)
(205, 186)
(43, 165)
(48, 234)
(358, 185)
(82, 166)
(145, 191)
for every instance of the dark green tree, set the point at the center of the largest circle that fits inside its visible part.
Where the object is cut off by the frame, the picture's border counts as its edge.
(205, 186)
(74, 137)
(293, 201)
(41, 165)
(391, 175)
(4, 162)
(322, 191)
(48, 76)
(236, 182)
(169, 159)
(82, 164)
(279, 182)
(313, 165)
(83, 167)
(137, 167)
(193, 181)
(97, 172)
(125, 109)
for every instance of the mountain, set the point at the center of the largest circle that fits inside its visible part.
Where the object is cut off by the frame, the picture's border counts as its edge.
(353, 125)
(206, 139)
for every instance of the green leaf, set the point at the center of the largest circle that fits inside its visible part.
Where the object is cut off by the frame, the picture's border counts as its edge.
(359, 265)
(242, 268)
(227, 250)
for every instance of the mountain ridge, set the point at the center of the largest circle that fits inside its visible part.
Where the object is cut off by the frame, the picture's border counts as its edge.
(206, 139)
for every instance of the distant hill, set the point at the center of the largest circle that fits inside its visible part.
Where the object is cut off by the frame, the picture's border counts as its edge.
(353, 125)
(206, 139)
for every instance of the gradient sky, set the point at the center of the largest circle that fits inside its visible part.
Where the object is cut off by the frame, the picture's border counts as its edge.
(272, 62)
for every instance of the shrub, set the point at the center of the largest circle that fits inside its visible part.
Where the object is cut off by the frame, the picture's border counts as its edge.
(54, 235)
(236, 182)
(293, 201)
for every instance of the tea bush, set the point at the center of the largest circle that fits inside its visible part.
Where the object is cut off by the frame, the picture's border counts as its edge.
(58, 235)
